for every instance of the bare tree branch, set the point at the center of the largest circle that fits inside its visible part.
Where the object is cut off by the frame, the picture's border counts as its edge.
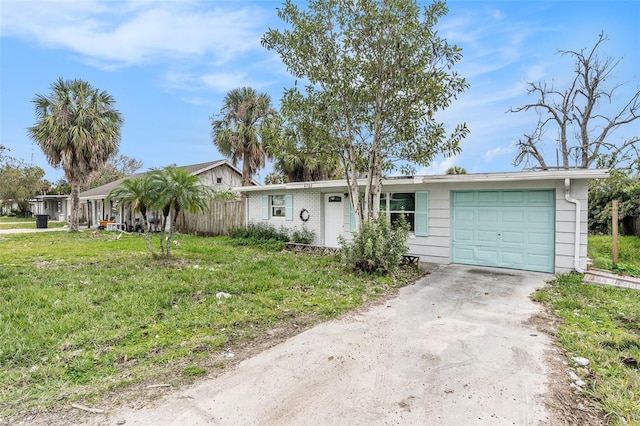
(575, 111)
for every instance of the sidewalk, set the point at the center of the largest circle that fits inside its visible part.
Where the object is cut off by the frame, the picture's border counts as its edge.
(32, 230)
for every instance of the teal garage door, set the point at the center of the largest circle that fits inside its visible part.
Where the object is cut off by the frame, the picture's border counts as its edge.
(507, 229)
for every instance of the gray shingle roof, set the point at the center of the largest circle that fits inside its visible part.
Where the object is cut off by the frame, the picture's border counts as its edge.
(104, 190)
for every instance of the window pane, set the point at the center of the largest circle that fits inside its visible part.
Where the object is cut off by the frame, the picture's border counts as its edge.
(277, 211)
(409, 217)
(403, 201)
(383, 202)
(277, 200)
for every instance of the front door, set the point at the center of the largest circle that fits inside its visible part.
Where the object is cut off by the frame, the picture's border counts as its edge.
(333, 219)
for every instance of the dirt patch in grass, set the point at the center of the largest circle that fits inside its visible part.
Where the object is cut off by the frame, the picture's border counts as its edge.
(566, 403)
(144, 392)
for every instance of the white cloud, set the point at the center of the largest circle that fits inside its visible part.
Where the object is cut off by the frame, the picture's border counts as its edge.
(438, 167)
(498, 152)
(223, 82)
(135, 32)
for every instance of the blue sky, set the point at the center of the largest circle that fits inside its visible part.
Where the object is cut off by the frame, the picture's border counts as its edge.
(170, 63)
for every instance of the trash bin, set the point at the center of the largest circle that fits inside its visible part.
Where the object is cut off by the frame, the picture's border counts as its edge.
(42, 221)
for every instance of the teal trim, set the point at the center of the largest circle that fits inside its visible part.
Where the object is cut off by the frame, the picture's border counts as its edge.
(288, 207)
(265, 207)
(352, 218)
(421, 225)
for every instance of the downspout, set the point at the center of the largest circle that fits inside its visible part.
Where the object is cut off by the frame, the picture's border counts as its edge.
(576, 241)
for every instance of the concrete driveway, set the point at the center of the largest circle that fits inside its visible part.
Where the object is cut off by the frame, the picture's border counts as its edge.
(455, 348)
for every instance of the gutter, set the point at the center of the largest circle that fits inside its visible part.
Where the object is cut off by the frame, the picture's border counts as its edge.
(576, 242)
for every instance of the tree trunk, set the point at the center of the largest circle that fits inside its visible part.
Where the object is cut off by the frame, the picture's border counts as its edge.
(75, 206)
(246, 170)
(147, 237)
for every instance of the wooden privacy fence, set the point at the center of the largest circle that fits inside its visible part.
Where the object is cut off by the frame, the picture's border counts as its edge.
(631, 226)
(219, 220)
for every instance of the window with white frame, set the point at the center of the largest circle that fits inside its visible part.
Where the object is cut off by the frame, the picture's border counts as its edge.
(278, 207)
(396, 204)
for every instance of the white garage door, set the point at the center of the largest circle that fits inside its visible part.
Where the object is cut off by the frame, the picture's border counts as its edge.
(509, 229)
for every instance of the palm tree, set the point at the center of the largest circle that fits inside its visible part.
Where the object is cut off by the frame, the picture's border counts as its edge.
(136, 193)
(174, 190)
(78, 129)
(245, 120)
(456, 170)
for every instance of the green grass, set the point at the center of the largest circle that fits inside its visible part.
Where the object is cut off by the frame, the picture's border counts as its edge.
(599, 250)
(602, 324)
(84, 315)
(29, 224)
(6, 219)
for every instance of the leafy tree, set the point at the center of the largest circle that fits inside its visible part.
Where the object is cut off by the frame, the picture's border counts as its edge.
(77, 129)
(376, 73)
(116, 168)
(622, 186)
(246, 118)
(20, 183)
(302, 154)
(136, 192)
(584, 130)
(456, 170)
(3, 156)
(61, 186)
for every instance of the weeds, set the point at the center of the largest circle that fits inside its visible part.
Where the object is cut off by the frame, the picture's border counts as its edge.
(601, 324)
(84, 315)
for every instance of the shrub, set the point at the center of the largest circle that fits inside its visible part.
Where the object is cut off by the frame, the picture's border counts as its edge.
(266, 232)
(377, 248)
(259, 231)
(303, 236)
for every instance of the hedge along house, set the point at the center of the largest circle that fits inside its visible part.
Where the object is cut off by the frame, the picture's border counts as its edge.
(533, 221)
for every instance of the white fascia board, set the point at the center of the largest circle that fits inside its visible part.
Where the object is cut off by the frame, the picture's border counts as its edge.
(417, 180)
(520, 176)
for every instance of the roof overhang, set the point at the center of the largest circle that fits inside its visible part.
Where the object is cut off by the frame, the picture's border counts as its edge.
(416, 180)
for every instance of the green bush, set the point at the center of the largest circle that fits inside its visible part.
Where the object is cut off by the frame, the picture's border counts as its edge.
(377, 248)
(266, 232)
(302, 236)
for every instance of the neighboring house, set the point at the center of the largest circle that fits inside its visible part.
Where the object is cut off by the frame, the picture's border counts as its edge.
(219, 175)
(520, 220)
(57, 207)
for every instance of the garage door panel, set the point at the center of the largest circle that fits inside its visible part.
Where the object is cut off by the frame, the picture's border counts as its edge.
(512, 197)
(488, 197)
(511, 237)
(546, 198)
(465, 215)
(513, 217)
(514, 229)
(484, 237)
(466, 255)
(488, 216)
(463, 235)
(512, 258)
(487, 255)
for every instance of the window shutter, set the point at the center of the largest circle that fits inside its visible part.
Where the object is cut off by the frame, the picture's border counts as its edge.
(288, 207)
(421, 225)
(265, 207)
(352, 218)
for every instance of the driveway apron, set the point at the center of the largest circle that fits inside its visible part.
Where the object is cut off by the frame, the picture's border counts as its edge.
(455, 348)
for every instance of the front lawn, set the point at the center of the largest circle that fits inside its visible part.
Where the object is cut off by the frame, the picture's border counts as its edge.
(26, 223)
(602, 324)
(86, 316)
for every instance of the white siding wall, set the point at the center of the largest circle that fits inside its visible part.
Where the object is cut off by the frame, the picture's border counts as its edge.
(229, 177)
(436, 247)
(305, 199)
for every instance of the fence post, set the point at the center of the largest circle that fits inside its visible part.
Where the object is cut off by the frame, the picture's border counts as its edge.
(614, 218)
